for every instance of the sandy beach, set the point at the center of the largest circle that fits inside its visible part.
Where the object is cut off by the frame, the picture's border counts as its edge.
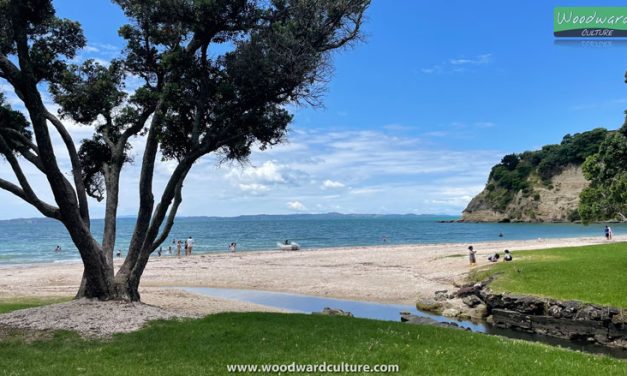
(387, 274)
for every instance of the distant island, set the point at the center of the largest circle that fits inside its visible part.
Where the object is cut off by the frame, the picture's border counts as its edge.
(537, 186)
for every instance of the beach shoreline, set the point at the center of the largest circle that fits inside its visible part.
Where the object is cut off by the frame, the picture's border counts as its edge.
(395, 274)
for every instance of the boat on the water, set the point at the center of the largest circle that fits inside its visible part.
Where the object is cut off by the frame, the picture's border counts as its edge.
(288, 247)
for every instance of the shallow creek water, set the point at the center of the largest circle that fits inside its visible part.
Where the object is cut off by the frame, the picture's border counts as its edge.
(387, 312)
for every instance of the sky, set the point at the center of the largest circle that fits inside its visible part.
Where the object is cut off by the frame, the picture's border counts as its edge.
(413, 118)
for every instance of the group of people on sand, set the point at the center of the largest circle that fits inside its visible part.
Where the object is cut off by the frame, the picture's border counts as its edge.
(187, 245)
(472, 255)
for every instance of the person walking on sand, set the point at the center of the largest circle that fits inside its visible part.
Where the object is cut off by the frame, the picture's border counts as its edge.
(190, 245)
(472, 255)
(178, 249)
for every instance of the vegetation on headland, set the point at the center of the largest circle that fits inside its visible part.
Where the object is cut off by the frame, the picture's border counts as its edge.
(606, 197)
(592, 274)
(518, 172)
(206, 346)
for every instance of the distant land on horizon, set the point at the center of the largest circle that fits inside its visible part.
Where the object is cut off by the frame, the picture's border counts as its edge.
(332, 215)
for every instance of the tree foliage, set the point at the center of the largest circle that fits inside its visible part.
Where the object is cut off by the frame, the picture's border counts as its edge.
(196, 77)
(606, 197)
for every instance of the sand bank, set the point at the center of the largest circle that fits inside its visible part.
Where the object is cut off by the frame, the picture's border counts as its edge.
(387, 274)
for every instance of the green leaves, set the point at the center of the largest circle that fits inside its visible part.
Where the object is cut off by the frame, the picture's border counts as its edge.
(13, 126)
(606, 198)
(87, 91)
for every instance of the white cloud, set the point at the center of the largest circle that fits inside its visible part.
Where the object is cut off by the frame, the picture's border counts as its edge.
(296, 205)
(254, 188)
(267, 172)
(477, 60)
(458, 65)
(330, 184)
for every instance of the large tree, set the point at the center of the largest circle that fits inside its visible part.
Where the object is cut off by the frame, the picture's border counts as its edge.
(215, 76)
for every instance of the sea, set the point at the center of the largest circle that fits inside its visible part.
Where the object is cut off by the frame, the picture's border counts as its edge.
(27, 241)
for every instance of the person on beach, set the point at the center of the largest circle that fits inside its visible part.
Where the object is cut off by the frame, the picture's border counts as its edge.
(607, 232)
(57, 249)
(233, 247)
(160, 251)
(178, 249)
(119, 253)
(189, 245)
(494, 258)
(185, 246)
(610, 233)
(471, 255)
(508, 256)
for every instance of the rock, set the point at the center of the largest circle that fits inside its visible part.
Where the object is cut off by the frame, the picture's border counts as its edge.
(619, 319)
(467, 290)
(429, 305)
(451, 312)
(471, 301)
(479, 312)
(419, 320)
(522, 304)
(570, 309)
(334, 312)
(441, 295)
(555, 311)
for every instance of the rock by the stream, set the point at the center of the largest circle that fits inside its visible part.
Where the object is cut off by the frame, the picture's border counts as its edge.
(419, 320)
(451, 312)
(429, 305)
(471, 301)
(327, 311)
(441, 295)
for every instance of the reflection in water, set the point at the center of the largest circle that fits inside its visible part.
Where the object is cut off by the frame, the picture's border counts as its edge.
(377, 311)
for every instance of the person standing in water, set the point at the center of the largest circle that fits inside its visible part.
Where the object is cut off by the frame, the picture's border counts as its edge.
(178, 249)
(57, 249)
(190, 245)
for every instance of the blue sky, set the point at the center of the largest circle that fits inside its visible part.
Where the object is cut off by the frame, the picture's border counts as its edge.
(413, 118)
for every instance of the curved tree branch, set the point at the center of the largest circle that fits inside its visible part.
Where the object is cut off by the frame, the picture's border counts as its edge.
(81, 192)
(44, 208)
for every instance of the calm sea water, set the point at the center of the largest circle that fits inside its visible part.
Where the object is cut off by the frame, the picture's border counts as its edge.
(34, 240)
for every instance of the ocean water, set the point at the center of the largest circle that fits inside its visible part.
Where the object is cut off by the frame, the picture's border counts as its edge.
(33, 240)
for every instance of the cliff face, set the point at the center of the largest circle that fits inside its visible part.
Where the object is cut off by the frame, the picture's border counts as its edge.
(555, 202)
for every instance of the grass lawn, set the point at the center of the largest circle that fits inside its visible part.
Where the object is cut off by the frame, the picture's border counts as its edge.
(8, 305)
(206, 346)
(595, 274)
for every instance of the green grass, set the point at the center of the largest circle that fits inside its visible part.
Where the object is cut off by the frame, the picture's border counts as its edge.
(594, 274)
(206, 346)
(13, 304)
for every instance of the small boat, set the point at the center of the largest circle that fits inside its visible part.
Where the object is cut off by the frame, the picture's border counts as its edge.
(288, 247)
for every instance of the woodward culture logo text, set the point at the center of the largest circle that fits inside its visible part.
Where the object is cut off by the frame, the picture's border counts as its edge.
(590, 22)
(319, 368)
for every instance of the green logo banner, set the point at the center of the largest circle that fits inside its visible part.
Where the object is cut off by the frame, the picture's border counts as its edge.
(590, 22)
